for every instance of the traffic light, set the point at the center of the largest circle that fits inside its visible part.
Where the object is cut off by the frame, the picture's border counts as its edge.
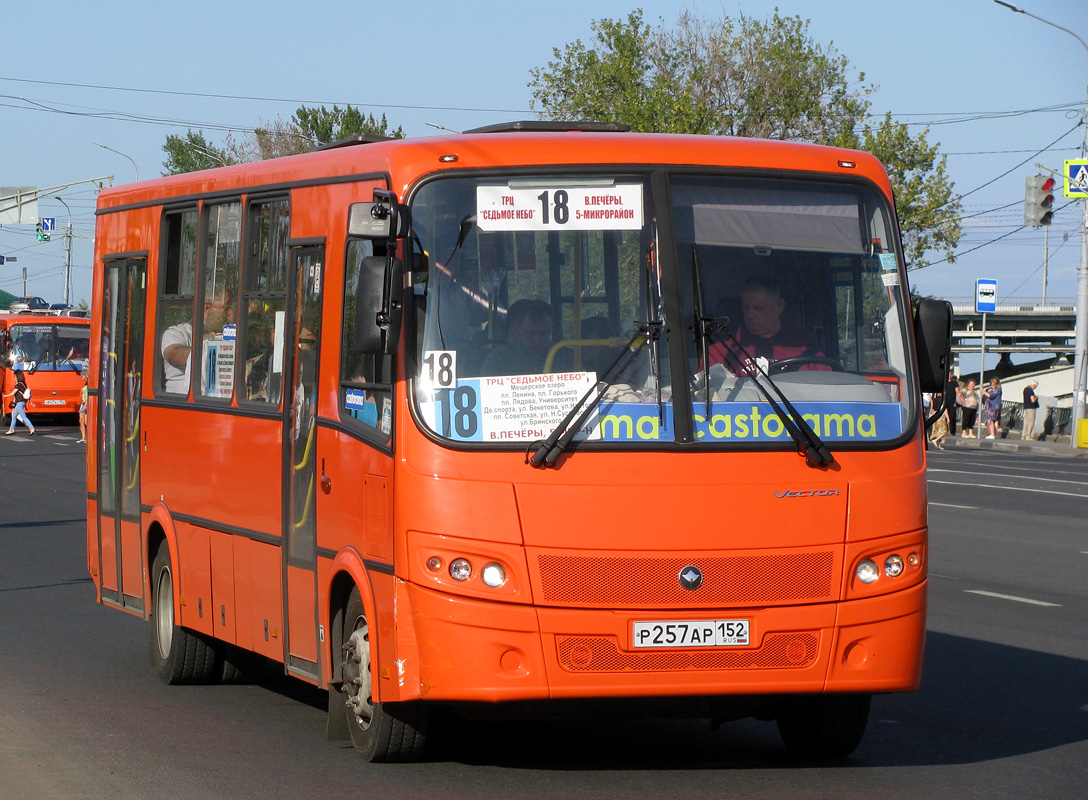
(43, 236)
(1038, 200)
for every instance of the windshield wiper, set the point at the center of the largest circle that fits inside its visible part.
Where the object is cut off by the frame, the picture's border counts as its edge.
(549, 450)
(809, 445)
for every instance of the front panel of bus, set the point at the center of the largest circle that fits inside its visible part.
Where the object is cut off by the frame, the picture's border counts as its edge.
(52, 353)
(740, 510)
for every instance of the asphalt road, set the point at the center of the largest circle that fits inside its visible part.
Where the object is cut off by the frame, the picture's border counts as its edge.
(1002, 712)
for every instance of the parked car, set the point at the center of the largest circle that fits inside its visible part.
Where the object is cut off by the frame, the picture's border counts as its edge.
(25, 304)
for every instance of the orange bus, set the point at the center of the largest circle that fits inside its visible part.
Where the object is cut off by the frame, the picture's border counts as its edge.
(538, 417)
(52, 353)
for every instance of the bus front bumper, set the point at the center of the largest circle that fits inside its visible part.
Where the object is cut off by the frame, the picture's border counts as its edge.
(471, 650)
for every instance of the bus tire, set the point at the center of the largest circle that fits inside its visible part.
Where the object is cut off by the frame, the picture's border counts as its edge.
(380, 732)
(824, 726)
(179, 655)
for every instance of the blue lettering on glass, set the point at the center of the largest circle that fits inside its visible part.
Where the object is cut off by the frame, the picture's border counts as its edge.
(460, 415)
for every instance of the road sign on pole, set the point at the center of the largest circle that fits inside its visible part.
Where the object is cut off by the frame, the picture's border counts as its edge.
(1076, 177)
(49, 224)
(985, 296)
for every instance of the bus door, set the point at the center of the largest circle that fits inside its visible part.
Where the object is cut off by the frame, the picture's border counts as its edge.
(300, 457)
(121, 561)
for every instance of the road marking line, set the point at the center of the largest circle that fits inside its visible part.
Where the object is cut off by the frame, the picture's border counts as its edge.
(1020, 476)
(953, 505)
(1013, 597)
(1006, 488)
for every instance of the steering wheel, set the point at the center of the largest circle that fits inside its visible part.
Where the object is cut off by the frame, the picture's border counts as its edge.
(795, 363)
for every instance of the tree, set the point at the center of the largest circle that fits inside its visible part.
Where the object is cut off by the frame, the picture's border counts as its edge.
(928, 209)
(750, 78)
(307, 130)
(192, 152)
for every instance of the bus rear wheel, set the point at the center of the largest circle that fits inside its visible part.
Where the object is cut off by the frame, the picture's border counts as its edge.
(179, 656)
(824, 726)
(380, 732)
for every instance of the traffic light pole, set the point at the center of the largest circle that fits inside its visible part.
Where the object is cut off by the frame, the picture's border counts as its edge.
(1080, 350)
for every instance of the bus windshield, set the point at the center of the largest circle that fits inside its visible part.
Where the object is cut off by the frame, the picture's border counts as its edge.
(49, 347)
(527, 289)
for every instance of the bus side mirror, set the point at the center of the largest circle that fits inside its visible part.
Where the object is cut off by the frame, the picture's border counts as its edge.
(381, 279)
(384, 218)
(933, 341)
(378, 305)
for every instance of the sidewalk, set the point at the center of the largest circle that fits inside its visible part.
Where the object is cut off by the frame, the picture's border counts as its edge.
(1015, 445)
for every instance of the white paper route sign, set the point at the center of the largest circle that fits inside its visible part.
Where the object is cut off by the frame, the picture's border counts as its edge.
(550, 207)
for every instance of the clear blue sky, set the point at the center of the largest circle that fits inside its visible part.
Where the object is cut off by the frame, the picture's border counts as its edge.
(975, 71)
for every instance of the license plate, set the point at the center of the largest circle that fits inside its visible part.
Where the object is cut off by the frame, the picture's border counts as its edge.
(54, 402)
(691, 633)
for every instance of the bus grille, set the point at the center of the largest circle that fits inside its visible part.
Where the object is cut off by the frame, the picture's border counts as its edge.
(602, 654)
(649, 582)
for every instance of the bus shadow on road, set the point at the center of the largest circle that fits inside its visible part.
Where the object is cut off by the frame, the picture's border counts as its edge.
(978, 702)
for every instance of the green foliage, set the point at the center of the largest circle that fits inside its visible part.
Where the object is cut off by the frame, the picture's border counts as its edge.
(928, 209)
(192, 152)
(307, 130)
(749, 78)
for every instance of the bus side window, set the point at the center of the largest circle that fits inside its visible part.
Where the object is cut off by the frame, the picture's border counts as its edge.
(265, 301)
(366, 380)
(177, 292)
(218, 323)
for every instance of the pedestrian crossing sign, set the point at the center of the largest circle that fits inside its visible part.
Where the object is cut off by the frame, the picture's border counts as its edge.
(1076, 177)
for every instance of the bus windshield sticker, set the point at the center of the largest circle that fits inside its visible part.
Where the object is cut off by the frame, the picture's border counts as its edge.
(553, 208)
(527, 408)
(440, 368)
(508, 408)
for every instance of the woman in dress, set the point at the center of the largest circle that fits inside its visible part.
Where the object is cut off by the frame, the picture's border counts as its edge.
(991, 408)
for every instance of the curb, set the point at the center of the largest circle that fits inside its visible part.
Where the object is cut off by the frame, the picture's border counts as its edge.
(1061, 449)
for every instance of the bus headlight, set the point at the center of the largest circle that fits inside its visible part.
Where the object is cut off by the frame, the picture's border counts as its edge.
(893, 566)
(493, 575)
(868, 571)
(460, 569)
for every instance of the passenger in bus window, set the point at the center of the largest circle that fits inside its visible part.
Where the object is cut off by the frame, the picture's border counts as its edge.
(528, 337)
(177, 342)
(762, 334)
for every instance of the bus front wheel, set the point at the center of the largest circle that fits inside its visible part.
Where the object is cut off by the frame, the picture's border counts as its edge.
(824, 726)
(379, 731)
(180, 656)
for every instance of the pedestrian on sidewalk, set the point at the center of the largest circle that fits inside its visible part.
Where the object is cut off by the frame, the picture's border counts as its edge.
(20, 394)
(991, 408)
(969, 404)
(940, 429)
(1031, 406)
(951, 400)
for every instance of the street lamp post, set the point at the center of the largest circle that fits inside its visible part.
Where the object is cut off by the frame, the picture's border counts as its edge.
(68, 252)
(120, 154)
(1080, 351)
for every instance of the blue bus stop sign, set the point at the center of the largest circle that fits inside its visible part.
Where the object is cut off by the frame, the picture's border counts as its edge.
(985, 296)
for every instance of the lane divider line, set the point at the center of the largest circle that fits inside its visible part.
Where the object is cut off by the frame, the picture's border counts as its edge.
(1013, 597)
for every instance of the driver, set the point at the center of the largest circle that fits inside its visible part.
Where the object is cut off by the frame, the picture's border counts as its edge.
(762, 335)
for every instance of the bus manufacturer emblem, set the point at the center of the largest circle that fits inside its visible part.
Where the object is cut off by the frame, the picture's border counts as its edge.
(691, 577)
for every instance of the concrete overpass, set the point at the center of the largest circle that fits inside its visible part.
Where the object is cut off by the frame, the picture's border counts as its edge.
(1022, 326)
